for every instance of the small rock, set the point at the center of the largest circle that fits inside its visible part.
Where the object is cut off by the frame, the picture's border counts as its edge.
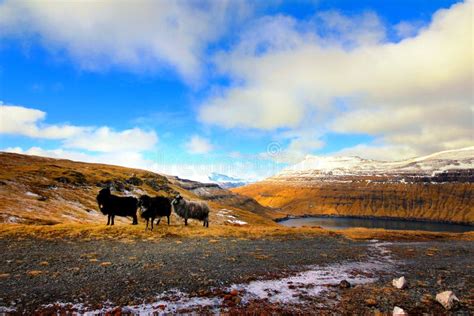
(397, 311)
(447, 299)
(344, 284)
(400, 283)
(371, 302)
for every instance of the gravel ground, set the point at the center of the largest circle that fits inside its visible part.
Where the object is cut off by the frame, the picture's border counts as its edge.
(35, 272)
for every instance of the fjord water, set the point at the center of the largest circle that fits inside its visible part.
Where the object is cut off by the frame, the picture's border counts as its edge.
(349, 222)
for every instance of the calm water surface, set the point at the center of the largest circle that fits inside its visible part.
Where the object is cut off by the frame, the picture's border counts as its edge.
(344, 223)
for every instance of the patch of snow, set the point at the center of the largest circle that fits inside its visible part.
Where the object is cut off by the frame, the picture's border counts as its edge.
(139, 192)
(12, 219)
(32, 194)
(170, 302)
(236, 222)
(231, 219)
(5, 310)
(317, 279)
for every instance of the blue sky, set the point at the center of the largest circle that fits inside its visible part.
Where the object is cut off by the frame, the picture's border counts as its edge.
(236, 87)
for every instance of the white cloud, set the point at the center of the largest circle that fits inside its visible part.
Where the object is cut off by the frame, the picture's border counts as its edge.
(408, 29)
(123, 158)
(139, 35)
(28, 122)
(198, 145)
(377, 152)
(416, 93)
(18, 120)
(104, 139)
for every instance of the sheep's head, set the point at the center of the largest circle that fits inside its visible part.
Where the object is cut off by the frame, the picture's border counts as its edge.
(104, 192)
(177, 199)
(143, 203)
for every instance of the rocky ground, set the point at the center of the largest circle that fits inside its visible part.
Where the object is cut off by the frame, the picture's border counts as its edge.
(233, 275)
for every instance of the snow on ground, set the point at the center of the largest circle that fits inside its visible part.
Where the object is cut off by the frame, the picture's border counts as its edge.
(315, 281)
(28, 193)
(229, 218)
(236, 222)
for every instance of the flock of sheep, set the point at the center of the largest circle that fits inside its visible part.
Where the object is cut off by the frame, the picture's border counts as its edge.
(150, 208)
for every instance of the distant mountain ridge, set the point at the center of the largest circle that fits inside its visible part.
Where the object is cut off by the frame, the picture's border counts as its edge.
(437, 187)
(314, 167)
(226, 181)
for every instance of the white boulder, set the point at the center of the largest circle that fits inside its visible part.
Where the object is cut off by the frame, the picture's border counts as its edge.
(447, 299)
(397, 311)
(400, 283)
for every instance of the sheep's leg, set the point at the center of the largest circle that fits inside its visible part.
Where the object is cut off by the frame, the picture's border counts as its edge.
(135, 220)
(113, 219)
(108, 220)
(146, 227)
(168, 220)
(152, 220)
(186, 221)
(158, 221)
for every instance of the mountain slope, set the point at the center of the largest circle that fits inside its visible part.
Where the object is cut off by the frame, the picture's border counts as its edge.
(41, 190)
(434, 187)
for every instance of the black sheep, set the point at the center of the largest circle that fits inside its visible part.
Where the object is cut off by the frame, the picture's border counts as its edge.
(191, 209)
(112, 205)
(158, 206)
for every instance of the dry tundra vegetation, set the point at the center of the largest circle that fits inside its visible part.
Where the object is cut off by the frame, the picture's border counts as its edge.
(51, 198)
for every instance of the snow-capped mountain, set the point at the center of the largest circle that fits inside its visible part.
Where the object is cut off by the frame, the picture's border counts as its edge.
(226, 181)
(434, 165)
(436, 187)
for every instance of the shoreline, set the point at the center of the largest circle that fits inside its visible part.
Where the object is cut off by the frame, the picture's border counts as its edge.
(390, 218)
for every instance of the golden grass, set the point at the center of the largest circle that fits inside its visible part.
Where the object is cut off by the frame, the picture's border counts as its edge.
(130, 233)
(402, 235)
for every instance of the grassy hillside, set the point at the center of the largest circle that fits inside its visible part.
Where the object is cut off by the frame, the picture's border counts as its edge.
(37, 190)
(432, 201)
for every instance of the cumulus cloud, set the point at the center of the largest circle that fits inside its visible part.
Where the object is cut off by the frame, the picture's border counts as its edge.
(408, 29)
(104, 139)
(378, 152)
(19, 120)
(415, 93)
(136, 35)
(198, 145)
(123, 158)
(29, 122)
